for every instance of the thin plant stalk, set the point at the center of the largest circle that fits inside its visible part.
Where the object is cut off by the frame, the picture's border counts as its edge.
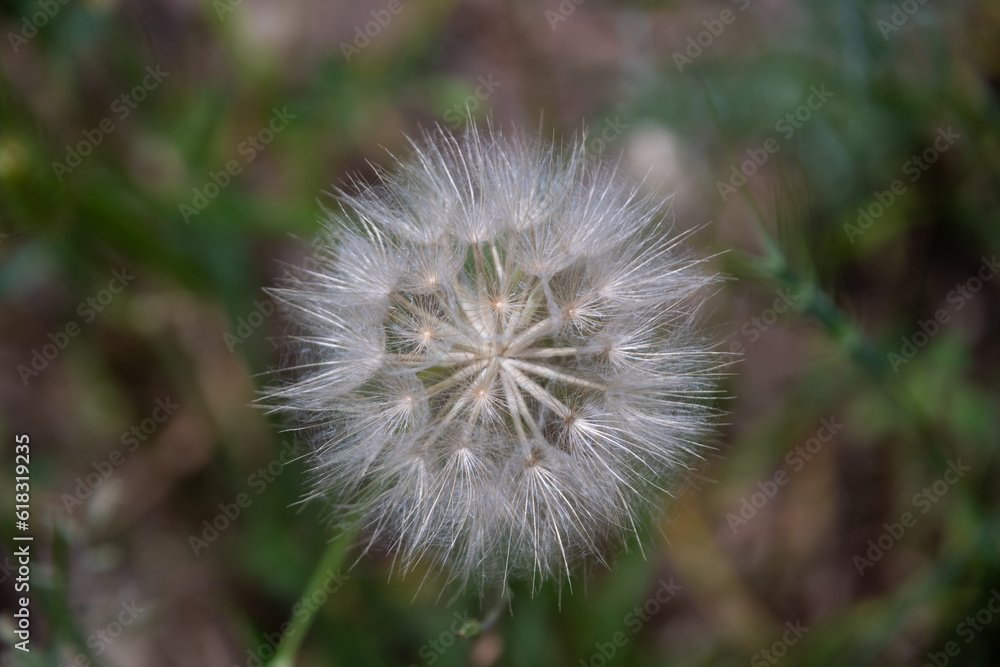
(332, 559)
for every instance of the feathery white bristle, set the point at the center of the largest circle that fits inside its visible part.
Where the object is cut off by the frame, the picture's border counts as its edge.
(497, 351)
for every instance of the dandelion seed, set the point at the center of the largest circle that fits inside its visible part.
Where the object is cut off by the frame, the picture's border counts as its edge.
(498, 354)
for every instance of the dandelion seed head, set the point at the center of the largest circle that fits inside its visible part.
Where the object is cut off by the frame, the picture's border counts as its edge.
(498, 354)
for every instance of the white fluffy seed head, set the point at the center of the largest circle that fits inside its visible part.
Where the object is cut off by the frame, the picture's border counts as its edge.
(498, 356)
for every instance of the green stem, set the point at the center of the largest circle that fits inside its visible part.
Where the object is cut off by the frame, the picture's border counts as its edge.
(327, 568)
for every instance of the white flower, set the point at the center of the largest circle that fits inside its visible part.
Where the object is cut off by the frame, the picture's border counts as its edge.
(498, 356)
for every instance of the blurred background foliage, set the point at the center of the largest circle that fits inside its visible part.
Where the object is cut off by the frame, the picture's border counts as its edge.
(680, 92)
